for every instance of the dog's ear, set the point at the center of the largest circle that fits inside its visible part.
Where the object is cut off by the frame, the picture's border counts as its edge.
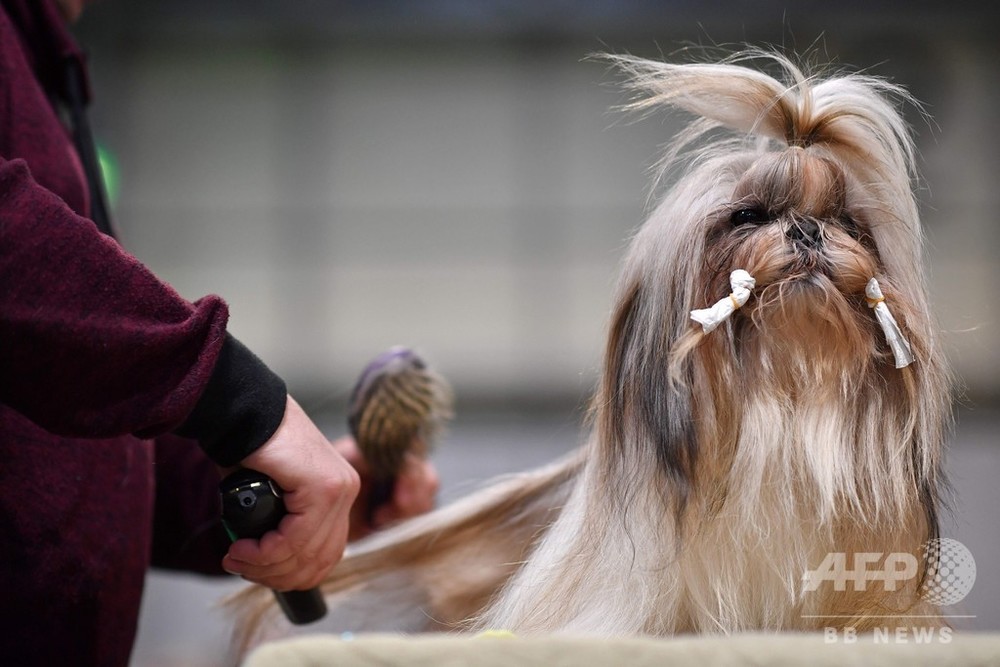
(643, 411)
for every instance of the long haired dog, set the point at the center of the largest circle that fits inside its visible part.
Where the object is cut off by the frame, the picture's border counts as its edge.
(722, 465)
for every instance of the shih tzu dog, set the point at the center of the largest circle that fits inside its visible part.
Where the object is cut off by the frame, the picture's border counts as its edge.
(733, 446)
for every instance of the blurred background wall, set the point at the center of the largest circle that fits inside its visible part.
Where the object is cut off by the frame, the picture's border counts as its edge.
(447, 174)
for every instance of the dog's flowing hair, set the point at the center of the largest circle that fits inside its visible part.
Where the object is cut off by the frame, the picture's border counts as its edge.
(721, 466)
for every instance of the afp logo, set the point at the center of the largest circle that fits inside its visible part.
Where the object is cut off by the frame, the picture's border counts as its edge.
(949, 565)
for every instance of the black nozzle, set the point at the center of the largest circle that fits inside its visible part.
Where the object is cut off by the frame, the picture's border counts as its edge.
(251, 507)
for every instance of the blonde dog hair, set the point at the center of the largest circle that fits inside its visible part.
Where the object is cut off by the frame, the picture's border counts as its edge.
(720, 467)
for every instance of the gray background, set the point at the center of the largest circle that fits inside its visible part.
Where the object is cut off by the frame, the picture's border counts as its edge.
(352, 175)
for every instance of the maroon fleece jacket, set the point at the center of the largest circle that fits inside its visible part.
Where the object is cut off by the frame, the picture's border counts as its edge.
(97, 356)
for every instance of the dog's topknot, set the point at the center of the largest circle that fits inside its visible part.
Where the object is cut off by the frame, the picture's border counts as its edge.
(853, 116)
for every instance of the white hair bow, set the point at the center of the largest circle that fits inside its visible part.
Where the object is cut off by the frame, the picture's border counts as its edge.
(899, 345)
(709, 318)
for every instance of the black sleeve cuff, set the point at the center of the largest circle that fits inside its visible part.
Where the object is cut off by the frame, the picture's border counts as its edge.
(241, 408)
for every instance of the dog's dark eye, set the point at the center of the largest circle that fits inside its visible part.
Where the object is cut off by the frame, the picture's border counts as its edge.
(749, 216)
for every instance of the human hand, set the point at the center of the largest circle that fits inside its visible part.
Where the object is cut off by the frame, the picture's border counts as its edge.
(319, 487)
(414, 491)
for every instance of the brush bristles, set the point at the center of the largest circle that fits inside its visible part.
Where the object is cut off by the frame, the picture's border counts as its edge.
(399, 408)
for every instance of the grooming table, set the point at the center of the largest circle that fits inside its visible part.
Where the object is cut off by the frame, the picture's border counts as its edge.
(964, 650)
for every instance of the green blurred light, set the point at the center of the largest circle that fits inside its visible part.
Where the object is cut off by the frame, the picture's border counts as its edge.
(111, 174)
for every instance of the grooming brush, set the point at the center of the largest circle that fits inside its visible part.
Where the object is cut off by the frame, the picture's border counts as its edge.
(398, 407)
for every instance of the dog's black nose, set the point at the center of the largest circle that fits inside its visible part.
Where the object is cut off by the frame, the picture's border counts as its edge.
(806, 232)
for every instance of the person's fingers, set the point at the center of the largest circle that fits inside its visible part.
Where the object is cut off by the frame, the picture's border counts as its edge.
(416, 488)
(266, 562)
(249, 552)
(319, 488)
(296, 541)
(332, 492)
(320, 546)
(309, 532)
(424, 494)
(414, 493)
(265, 573)
(315, 547)
(306, 568)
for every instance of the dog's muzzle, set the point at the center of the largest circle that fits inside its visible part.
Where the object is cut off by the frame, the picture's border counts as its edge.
(805, 232)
